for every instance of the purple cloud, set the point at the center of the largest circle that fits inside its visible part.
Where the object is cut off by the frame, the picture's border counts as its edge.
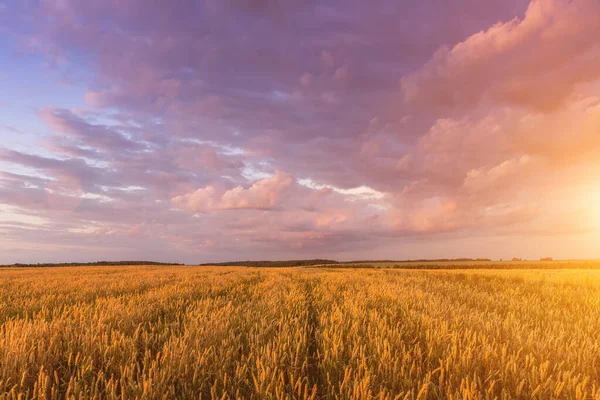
(395, 123)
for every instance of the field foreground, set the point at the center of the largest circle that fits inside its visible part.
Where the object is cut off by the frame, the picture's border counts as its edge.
(243, 333)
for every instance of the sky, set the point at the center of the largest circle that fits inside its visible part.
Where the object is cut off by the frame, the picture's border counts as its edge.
(200, 131)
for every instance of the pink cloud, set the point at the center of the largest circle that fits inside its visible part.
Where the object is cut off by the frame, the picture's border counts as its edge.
(536, 61)
(101, 137)
(264, 194)
(182, 105)
(482, 178)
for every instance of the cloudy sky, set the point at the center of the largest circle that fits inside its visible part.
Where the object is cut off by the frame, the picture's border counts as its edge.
(198, 131)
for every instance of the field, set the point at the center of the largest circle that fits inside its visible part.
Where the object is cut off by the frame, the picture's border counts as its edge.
(156, 332)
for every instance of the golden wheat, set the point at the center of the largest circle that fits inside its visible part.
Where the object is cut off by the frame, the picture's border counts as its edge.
(243, 333)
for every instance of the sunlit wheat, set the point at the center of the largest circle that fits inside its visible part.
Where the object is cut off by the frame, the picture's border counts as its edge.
(243, 333)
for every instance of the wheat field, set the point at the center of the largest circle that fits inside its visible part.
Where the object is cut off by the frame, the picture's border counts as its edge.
(298, 333)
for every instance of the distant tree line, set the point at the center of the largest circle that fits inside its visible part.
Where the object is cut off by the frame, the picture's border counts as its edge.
(440, 263)
(286, 263)
(314, 262)
(91, 264)
(542, 264)
(419, 260)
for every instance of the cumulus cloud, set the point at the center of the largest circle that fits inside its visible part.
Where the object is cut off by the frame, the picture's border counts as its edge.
(264, 194)
(536, 61)
(482, 178)
(191, 111)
